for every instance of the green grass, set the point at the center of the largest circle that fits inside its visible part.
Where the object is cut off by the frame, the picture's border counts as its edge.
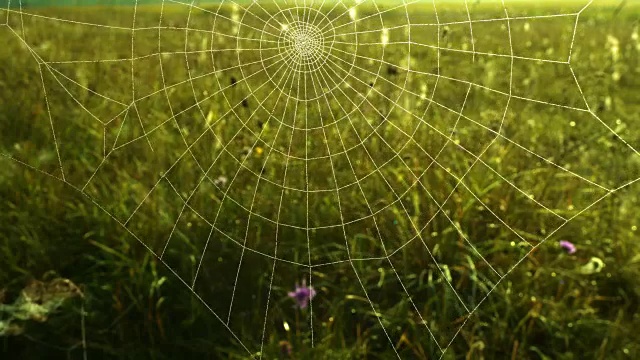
(138, 307)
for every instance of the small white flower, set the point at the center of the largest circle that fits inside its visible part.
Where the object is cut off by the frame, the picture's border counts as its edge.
(221, 181)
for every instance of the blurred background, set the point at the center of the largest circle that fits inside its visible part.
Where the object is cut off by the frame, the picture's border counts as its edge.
(319, 180)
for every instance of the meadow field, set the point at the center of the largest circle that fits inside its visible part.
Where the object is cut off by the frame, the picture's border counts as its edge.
(320, 180)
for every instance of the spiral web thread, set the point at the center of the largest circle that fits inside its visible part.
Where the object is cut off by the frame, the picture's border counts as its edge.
(309, 67)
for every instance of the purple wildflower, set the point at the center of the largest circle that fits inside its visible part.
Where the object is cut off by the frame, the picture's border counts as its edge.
(303, 294)
(567, 245)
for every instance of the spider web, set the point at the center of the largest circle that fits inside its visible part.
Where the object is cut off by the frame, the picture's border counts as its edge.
(308, 125)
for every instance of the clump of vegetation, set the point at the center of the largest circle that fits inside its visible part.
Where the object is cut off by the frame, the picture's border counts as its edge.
(37, 302)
